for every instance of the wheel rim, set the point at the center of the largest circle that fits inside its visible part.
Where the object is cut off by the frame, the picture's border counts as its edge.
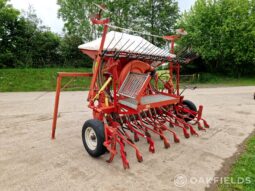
(91, 138)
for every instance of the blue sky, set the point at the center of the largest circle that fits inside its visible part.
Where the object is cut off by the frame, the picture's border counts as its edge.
(47, 10)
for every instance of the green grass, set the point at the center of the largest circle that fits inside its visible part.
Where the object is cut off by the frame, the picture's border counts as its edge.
(16, 80)
(244, 167)
(212, 80)
(221, 80)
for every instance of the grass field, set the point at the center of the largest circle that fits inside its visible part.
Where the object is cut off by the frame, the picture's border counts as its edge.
(16, 80)
(206, 79)
(243, 169)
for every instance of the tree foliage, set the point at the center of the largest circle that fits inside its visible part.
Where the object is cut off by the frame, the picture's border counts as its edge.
(150, 16)
(223, 33)
(23, 42)
(8, 28)
(70, 54)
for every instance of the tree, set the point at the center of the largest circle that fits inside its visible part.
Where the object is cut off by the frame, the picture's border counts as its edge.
(150, 16)
(75, 14)
(223, 33)
(157, 17)
(42, 45)
(24, 42)
(70, 54)
(8, 20)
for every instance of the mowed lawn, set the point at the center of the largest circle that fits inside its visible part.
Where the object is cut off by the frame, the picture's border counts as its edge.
(17, 80)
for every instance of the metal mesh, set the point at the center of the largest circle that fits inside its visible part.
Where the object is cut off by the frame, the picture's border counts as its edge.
(133, 84)
(149, 99)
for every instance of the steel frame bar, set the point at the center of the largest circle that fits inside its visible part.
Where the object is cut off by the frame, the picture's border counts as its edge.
(60, 75)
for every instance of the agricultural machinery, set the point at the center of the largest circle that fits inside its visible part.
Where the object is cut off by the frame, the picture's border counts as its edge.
(129, 98)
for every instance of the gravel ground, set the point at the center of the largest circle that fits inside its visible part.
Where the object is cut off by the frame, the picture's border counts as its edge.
(30, 160)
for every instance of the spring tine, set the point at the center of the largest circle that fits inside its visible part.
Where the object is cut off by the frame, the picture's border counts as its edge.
(135, 54)
(146, 53)
(128, 46)
(137, 45)
(162, 53)
(145, 49)
(165, 54)
(140, 48)
(155, 51)
(118, 52)
(123, 45)
(109, 45)
(117, 42)
(152, 50)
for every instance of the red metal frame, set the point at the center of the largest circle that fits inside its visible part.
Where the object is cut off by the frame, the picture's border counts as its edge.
(58, 89)
(118, 117)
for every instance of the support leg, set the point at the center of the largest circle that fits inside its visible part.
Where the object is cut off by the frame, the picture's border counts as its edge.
(55, 114)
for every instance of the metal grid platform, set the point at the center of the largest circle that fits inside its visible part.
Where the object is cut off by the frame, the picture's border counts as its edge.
(133, 84)
(150, 101)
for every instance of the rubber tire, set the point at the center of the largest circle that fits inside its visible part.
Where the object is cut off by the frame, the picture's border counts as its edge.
(191, 106)
(98, 127)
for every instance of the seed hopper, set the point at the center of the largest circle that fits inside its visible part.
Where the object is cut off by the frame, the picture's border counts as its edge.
(129, 99)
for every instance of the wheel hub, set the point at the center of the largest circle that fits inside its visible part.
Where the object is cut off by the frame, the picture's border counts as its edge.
(91, 138)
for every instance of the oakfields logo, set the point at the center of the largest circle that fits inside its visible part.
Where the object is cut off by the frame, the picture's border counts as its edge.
(181, 180)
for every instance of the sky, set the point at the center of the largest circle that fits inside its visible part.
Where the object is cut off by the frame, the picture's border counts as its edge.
(47, 10)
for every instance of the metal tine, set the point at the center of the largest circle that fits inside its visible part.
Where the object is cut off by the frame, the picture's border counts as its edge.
(128, 46)
(105, 51)
(136, 47)
(140, 48)
(147, 53)
(153, 56)
(166, 53)
(149, 44)
(154, 52)
(118, 52)
(153, 49)
(161, 53)
(145, 48)
(117, 41)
